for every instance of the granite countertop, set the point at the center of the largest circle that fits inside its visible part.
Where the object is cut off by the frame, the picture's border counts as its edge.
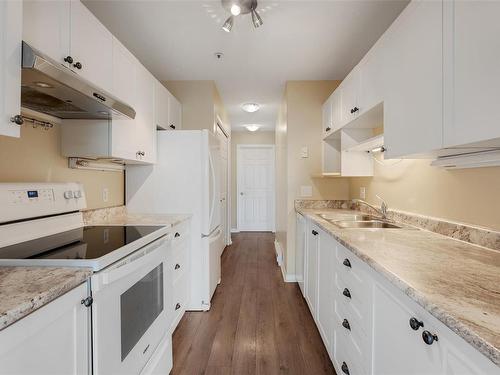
(457, 282)
(25, 289)
(168, 220)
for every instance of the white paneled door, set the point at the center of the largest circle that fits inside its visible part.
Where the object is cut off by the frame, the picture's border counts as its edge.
(255, 171)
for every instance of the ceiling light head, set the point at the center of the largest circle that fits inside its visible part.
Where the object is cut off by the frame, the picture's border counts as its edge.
(252, 127)
(256, 19)
(250, 107)
(228, 25)
(235, 10)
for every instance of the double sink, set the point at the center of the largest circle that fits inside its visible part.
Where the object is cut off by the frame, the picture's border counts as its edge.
(355, 221)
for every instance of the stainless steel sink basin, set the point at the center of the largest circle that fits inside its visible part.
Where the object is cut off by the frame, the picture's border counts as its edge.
(360, 224)
(346, 217)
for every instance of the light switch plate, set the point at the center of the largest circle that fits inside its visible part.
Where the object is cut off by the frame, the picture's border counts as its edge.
(304, 152)
(362, 193)
(306, 191)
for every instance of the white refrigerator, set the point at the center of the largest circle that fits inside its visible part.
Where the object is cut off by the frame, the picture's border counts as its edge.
(186, 179)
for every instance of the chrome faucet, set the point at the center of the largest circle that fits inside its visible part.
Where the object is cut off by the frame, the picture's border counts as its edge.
(382, 211)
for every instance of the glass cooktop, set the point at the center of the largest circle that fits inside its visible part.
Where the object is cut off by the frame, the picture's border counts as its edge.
(89, 242)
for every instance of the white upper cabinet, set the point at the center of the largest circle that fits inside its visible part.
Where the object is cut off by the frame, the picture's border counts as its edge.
(413, 104)
(46, 27)
(349, 90)
(91, 47)
(328, 116)
(472, 59)
(145, 118)
(161, 106)
(174, 113)
(10, 67)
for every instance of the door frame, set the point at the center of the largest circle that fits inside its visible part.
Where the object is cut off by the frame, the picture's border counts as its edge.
(227, 235)
(271, 147)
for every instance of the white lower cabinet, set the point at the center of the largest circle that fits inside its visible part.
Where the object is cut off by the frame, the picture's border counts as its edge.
(53, 340)
(369, 326)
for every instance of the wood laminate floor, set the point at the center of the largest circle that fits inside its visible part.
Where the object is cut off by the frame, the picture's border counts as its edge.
(257, 323)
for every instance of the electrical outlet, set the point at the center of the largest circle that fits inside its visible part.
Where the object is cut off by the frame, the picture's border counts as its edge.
(105, 194)
(362, 193)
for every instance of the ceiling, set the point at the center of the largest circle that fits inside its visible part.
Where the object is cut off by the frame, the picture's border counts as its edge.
(300, 40)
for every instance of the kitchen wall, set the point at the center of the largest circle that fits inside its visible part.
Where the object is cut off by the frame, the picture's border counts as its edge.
(35, 157)
(300, 125)
(243, 138)
(468, 195)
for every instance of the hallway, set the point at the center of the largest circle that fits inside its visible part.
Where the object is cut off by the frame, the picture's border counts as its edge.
(257, 324)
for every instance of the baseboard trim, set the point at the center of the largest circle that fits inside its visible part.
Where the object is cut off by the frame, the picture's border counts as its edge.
(287, 277)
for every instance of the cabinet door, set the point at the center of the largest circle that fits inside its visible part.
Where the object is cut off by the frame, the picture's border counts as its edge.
(327, 116)
(123, 132)
(174, 113)
(350, 87)
(337, 109)
(53, 340)
(46, 27)
(312, 269)
(10, 65)
(161, 106)
(475, 84)
(145, 118)
(397, 348)
(326, 288)
(413, 109)
(91, 46)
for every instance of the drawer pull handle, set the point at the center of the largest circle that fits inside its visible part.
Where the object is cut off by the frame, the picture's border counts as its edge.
(314, 232)
(177, 266)
(177, 234)
(347, 293)
(344, 368)
(346, 325)
(429, 338)
(347, 263)
(328, 129)
(177, 306)
(415, 324)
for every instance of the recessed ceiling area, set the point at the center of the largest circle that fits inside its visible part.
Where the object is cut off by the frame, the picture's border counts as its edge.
(299, 40)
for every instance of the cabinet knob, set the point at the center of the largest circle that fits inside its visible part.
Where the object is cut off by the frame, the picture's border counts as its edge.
(415, 324)
(177, 306)
(354, 110)
(328, 129)
(17, 119)
(87, 302)
(78, 65)
(314, 233)
(429, 338)
(346, 325)
(347, 263)
(177, 266)
(344, 368)
(68, 59)
(177, 234)
(346, 293)
(172, 126)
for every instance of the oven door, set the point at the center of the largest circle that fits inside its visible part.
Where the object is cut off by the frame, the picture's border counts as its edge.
(130, 310)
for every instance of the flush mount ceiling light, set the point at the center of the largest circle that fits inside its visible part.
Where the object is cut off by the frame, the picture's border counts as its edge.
(252, 127)
(240, 7)
(250, 107)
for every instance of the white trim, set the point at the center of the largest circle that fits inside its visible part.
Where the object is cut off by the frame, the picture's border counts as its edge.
(279, 253)
(272, 226)
(287, 277)
(235, 230)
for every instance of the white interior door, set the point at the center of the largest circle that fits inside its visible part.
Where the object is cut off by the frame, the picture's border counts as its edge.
(255, 171)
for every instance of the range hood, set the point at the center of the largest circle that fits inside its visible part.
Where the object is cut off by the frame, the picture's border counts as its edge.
(51, 88)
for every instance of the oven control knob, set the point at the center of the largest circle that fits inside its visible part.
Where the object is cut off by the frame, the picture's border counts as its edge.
(68, 194)
(77, 194)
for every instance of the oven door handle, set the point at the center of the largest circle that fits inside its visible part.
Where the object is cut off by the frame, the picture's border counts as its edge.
(144, 256)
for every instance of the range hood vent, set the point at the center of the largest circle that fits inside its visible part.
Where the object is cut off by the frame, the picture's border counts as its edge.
(51, 88)
(489, 158)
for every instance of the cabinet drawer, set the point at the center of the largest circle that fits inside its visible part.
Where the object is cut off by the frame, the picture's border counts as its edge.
(344, 358)
(351, 269)
(355, 337)
(181, 234)
(359, 304)
(180, 292)
(179, 263)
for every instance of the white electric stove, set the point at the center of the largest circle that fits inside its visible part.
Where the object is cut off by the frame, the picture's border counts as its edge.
(41, 225)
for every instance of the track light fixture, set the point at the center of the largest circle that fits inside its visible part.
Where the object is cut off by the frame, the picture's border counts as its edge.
(239, 7)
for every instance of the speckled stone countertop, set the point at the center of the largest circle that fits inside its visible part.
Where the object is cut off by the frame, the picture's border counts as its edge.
(120, 216)
(25, 289)
(457, 282)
